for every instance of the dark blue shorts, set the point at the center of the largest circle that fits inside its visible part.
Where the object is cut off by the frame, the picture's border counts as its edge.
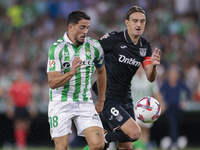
(115, 114)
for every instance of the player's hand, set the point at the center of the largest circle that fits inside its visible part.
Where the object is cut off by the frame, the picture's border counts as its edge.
(76, 63)
(99, 106)
(155, 57)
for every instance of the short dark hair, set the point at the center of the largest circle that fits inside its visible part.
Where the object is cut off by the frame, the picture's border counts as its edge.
(75, 16)
(134, 9)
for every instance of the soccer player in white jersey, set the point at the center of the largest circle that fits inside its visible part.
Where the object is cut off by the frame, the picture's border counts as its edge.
(71, 63)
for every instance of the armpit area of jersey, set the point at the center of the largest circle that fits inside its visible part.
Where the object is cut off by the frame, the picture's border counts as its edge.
(94, 88)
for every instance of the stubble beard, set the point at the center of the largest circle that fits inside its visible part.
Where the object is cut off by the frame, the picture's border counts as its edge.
(80, 43)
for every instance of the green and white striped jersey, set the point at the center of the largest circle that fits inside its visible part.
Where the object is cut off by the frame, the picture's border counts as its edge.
(61, 55)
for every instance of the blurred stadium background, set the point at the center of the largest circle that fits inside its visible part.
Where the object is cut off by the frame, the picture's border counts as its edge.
(29, 27)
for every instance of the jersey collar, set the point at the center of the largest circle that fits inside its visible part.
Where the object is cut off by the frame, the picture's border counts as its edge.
(66, 38)
(128, 39)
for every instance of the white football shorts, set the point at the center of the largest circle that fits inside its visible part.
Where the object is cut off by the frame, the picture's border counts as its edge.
(61, 114)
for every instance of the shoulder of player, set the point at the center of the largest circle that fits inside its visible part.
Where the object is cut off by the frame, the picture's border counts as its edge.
(57, 46)
(93, 42)
(116, 34)
(111, 36)
(144, 41)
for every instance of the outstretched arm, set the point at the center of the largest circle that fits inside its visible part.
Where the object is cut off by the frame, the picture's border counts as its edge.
(151, 69)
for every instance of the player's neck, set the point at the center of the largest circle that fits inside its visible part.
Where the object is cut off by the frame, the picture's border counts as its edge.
(70, 36)
(135, 39)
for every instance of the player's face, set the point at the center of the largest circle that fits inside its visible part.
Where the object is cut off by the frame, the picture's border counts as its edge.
(136, 23)
(79, 31)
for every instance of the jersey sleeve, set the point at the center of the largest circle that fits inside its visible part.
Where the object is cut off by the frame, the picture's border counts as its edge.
(147, 59)
(99, 58)
(53, 63)
(107, 41)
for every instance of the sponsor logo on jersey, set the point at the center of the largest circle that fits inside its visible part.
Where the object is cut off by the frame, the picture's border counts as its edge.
(143, 51)
(88, 52)
(124, 46)
(51, 63)
(105, 36)
(130, 61)
(87, 62)
(66, 64)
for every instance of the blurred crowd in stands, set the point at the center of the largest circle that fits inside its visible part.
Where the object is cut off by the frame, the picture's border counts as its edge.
(29, 27)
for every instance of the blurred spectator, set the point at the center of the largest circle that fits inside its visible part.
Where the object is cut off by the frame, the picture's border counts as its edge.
(191, 74)
(29, 13)
(141, 87)
(21, 108)
(185, 7)
(15, 13)
(2, 100)
(175, 94)
(196, 94)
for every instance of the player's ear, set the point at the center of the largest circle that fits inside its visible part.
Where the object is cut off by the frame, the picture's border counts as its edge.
(70, 26)
(126, 22)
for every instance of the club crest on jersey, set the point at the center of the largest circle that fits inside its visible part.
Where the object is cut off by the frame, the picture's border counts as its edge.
(51, 63)
(88, 52)
(143, 51)
(105, 36)
(66, 64)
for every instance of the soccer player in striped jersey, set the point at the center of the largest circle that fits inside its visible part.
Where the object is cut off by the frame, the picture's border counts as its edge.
(71, 63)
